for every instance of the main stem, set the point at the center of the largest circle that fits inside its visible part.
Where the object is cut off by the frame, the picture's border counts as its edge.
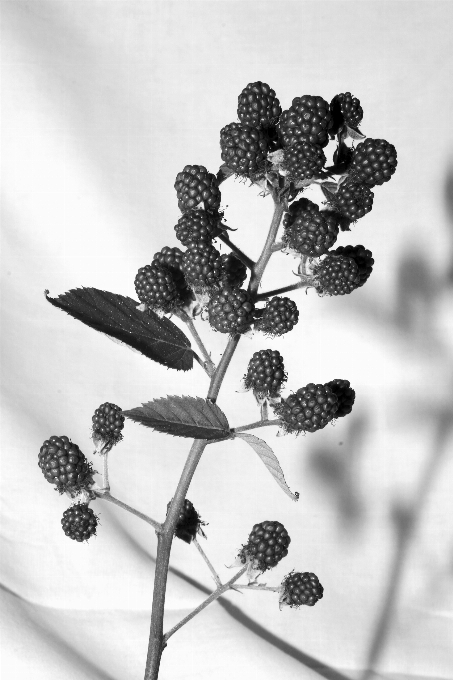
(157, 642)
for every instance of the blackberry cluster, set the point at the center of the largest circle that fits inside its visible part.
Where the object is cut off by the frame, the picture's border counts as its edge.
(362, 257)
(300, 588)
(198, 226)
(171, 258)
(108, 423)
(156, 287)
(63, 464)
(345, 109)
(79, 522)
(373, 162)
(234, 272)
(244, 148)
(303, 160)
(280, 315)
(345, 394)
(258, 106)
(307, 120)
(265, 373)
(336, 275)
(353, 200)
(202, 267)
(308, 410)
(231, 311)
(189, 522)
(195, 185)
(266, 546)
(310, 232)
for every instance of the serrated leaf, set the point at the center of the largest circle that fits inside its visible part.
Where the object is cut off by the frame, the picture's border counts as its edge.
(270, 460)
(182, 417)
(119, 318)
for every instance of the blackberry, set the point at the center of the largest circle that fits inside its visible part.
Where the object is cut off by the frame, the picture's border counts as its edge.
(353, 200)
(307, 120)
(345, 109)
(63, 464)
(198, 226)
(156, 287)
(189, 522)
(362, 257)
(234, 272)
(266, 546)
(336, 275)
(345, 395)
(297, 208)
(265, 373)
(310, 232)
(108, 422)
(195, 185)
(79, 522)
(171, 258)
(244, 148)
(300, 588)
(307, 410)
(303, 160)
(279, 316)
(258, 106)
(373, 162)
(202, 267)
(231, 310)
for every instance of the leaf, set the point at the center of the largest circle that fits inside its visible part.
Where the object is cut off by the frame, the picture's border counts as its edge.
(270, 461)
(328, 194)
(223, 173)
(354, 133)
(119, 318)
(183, 417)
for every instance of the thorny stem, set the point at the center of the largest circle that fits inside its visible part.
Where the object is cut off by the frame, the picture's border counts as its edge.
(214, 596)
(253, 426)
(237, 251)
(285, 289)
(107, 496)
(210, 566)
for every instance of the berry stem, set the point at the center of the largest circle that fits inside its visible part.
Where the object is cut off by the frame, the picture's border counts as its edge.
(237, 251)
(285, 289)
(217, 378)
(107, 496)
(253, 426)
(277, 246)
(214, 596)
(208, 364)
(217, 580)
(258, 269)
(256, 587)
(264, 411)
(105, 472)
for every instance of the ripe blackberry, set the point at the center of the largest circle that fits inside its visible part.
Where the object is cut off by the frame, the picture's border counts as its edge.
(234, 272)
(156, 287)
(64, 465)
(374, 162)
(345, 395)
(198, 226)
(303, 160)
(336, 275)
(195, 185)
(265, 373)
(362, 257)
(244, 148)
(345, 109)
(79, 522)
(279, 316)
(310, 232)
(299, 588)
(297, 208)
(308, 119)
(202, 267)
(266, 546)
(258, 106)
(231, 310)
(108, 422)
(308, 410)
(171, 258)
(189, 522)
(353, 200)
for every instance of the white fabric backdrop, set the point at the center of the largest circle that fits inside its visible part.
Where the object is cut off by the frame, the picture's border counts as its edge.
(103, 103)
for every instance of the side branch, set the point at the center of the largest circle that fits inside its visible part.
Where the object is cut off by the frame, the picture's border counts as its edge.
(237, 251)
(277, 291)
(106, 496)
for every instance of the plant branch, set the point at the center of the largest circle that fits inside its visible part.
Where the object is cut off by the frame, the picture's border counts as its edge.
(258, 586)
(217, 378)
(205, 557)
(214, 596)
(260, 266)
(107, 496)
(253, 426)
(245, 259)
(277, 246)
(285, 289)
(208, 365)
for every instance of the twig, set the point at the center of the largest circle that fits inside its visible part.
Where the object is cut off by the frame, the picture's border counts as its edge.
(214, 596)
(217, 580)
(277, 246)
(237, 251)
(107, 496)
(208, 365)
(285, 289)
(264, 411)
(253, 426)
(258, 586)
(258, 270)
(217, 378)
